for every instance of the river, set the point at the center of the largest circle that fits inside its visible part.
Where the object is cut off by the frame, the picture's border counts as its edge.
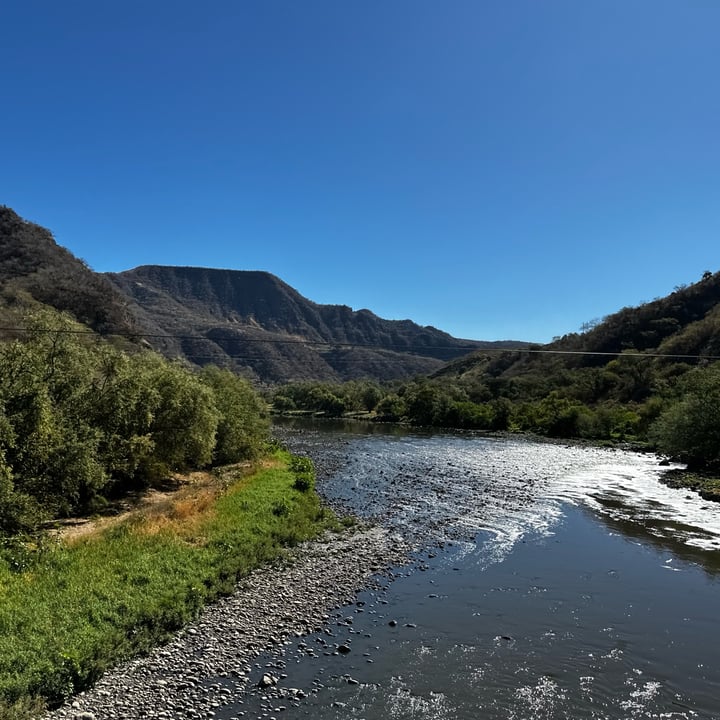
(548, 582)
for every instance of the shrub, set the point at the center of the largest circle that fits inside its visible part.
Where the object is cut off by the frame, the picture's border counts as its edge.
(304, 472)
(690, 428)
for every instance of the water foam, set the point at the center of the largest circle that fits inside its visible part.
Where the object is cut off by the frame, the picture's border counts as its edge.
(462, 489)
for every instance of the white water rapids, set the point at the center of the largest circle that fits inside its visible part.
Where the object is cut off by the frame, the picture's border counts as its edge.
(450, 487)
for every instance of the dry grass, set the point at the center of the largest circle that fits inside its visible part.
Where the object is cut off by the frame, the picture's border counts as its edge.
(182, 508)
(183, 514)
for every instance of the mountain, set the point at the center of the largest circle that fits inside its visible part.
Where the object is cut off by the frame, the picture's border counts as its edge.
(253, 321)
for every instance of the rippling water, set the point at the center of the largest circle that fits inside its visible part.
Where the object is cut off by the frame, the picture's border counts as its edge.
(550, 582)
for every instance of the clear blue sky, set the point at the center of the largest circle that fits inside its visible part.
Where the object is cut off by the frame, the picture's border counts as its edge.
(497, 169)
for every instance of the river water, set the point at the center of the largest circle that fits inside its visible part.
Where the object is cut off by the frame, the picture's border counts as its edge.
(547, 582)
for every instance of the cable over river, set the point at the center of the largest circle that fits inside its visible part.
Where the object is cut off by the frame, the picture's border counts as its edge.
(548, 582)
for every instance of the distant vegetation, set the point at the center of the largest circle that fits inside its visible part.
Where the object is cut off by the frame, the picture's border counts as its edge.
(682, 419)
(646, 375)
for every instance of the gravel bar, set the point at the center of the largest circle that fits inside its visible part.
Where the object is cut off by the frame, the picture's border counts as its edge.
(208, 667)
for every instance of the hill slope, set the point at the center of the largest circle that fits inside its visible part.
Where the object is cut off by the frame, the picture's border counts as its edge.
(33, 267)
(254, 321)
(626, 357)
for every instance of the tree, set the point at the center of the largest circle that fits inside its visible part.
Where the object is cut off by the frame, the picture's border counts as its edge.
(690, 428)
(391, 407)
(123, 404)
(184, 416)
(18, 512)
(44, 388)
(371, 396)
(244, 424)
(423, 403)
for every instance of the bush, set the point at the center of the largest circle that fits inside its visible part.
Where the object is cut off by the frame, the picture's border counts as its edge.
(303, 482)
(300, 464)
(304, 472)
(690, 428)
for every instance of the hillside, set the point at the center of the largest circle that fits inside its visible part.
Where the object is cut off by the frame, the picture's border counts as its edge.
(33, 267)
(253, 321)
(674, 333)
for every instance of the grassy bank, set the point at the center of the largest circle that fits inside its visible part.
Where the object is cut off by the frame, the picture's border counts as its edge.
(70, 609)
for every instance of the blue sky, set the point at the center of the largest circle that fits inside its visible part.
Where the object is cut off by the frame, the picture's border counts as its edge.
(504, 169)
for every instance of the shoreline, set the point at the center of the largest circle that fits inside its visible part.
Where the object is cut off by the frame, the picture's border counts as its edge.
(707, 486)
(208, 664)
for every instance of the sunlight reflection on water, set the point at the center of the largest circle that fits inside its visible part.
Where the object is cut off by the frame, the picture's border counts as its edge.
(452, 488)
(546, 594)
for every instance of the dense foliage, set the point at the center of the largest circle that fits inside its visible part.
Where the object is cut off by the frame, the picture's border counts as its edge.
(673, 410)
(690, 427)
(81, 421)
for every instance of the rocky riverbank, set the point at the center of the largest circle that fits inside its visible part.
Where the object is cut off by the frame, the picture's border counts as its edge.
(705, 485)
(212, 663)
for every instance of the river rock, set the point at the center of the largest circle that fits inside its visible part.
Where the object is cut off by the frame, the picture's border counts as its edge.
(267, 681)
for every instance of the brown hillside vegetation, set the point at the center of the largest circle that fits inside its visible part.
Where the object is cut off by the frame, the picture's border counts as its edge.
(33, 264)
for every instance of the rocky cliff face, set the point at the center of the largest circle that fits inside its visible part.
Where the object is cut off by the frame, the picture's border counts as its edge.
(256, 322)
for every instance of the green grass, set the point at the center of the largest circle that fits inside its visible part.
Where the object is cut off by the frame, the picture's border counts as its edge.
(72, 610)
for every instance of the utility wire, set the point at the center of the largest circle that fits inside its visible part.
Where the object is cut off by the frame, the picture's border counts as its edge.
(169, 336)
(333, 344)
(624, 353)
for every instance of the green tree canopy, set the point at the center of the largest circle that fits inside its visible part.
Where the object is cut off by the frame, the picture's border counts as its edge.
(690, 428)
(244, 423)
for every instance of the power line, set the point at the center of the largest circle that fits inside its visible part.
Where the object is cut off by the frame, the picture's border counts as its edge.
(620, 353)
(350, 345)
(274, 341)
